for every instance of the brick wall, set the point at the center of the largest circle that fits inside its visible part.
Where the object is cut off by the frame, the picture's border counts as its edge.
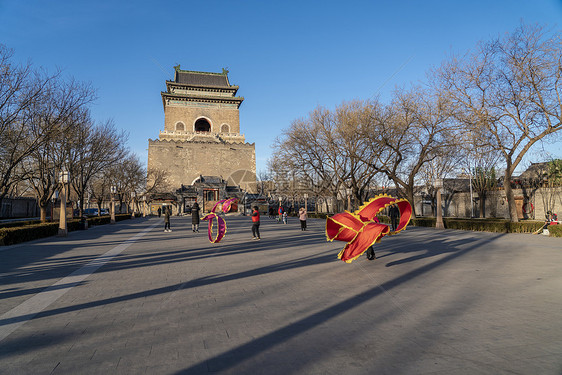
(185, 161)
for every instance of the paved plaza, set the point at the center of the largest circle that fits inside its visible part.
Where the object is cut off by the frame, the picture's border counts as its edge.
(131, 299)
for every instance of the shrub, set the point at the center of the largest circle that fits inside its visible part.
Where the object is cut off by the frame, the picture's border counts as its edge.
(99, 220)
(122, 217)
(481, 225)
(10, 236)
(319, 215)
(28, 232)
(422, 221)
(555, 230)
(12, 224)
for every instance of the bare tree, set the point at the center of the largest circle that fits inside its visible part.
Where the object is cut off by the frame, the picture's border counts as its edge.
(60, 102)
(306, 147)
(509, 91)
(550, 179)
(92, 149)
(326, 152)
(413, 131)
(21, 90)
(441, 167)
(353, 119)
(99, 188)
(157, 181)
(128, 175)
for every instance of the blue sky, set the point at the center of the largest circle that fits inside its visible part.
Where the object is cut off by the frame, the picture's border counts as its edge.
(288, 57)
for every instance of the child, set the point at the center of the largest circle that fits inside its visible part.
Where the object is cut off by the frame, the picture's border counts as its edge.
(285, 217)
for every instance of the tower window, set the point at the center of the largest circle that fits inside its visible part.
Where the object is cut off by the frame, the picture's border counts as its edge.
(225, 128)
(202, 125)
(180, 127)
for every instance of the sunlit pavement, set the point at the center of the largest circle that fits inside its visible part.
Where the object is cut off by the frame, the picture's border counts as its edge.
(127, 299)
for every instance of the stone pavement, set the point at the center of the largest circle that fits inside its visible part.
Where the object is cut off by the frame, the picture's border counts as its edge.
(131, 299)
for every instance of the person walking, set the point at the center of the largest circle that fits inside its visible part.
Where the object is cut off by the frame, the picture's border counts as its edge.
(195, 217)
(285, 217)
(280, 214)
(371, 253)
(256, 224)
(159, 212)
(394, 214)
(302, 217)
(167, 214)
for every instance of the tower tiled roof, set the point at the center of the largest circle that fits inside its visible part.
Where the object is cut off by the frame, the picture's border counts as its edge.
(193, 78)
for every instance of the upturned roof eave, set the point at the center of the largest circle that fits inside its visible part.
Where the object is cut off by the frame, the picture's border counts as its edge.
(229, 87)
(201, 97)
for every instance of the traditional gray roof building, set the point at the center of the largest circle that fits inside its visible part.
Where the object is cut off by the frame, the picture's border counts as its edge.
(193, 78)
(201, 135)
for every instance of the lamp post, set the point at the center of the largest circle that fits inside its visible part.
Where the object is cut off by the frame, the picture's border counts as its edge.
(348, 191)
(113, 191)
(133, 195)
(63, 180)
(439, 214)
(144, 205)
(306, 201)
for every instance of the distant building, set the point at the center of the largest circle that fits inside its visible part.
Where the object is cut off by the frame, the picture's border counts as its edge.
(201, 148)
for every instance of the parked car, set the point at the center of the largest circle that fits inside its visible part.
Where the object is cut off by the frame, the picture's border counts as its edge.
(91, 212)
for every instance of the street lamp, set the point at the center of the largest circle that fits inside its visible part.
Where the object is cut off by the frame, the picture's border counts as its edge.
(439, 219)
(348, 191)
(133, 195)
(113, 192)
(306, 201)
(144, 205)
(64, 177)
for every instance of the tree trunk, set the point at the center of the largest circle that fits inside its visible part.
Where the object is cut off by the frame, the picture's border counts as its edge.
(410, 197)
(510, 197)
(43, 212)
(482, 204)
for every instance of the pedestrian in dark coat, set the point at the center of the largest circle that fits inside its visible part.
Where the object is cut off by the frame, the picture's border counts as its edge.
(394, 214)
(371, 253)
(195, 217)
(167, 213)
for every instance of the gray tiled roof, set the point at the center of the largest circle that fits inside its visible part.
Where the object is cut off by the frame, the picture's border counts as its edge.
(202, 79)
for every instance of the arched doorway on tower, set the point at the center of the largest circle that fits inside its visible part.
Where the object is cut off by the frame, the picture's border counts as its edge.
(202, 125)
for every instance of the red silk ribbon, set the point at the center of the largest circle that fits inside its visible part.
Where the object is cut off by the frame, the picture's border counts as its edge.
(361, 228)
(225, 206)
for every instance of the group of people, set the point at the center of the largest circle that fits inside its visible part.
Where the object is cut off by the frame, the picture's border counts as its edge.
(303, 216)
(551, 219)
(194, 217)
(283, 216)
(255, 216)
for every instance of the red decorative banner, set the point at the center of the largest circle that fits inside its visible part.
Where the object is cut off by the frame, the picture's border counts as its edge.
(361, 228)
(225, 205)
